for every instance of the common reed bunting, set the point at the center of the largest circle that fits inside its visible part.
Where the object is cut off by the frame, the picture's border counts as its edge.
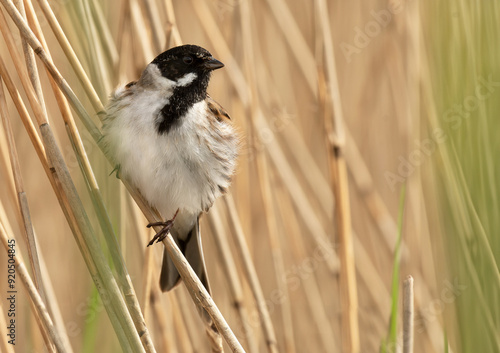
(171, 140)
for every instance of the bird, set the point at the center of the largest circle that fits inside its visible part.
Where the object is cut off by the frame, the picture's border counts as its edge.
(176, 145)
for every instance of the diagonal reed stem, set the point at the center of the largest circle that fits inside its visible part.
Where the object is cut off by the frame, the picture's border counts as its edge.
(74, 209)
(123, 276)
(68, 50)
(36, 301)
(230, 268)
(23, 205)
(251, 274)
(21, 194)
(25, 31)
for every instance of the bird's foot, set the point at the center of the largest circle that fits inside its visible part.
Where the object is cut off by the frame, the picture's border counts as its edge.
(162, 234)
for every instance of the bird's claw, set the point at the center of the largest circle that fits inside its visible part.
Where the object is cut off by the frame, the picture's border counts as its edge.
(162, 234)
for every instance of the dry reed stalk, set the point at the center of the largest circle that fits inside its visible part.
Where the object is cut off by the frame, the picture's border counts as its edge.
(306, 62)
(95, 260)
(53, 178)
(129, 294)
(35, 25)
(27, 33)
(155, 23)
(21, 196)
(296, 42)
(140, 30)
(98, 66)
(202, 298)
(74, 210)
(338, 169)
(350, 304)
(141, 327)
(261, 165)
(311, 288)
(183, 321)
(147, 278)
(408, 315)
(135, 222)
(232, 275)
(317, 182)
(372, 199)
(173, 35)
(154, 302)
(196, 289)
(251, 274)
(234, 73)
(68, 50)
(38, 111)
(24, 210)
(272, 148)
(387, 227)
(123, 20)
(189, 319)
(277, 256)
(53, 305)
(43, 318)
(348, 291)
(125, 282)
(365, 268)
(104, 33)
(122, 274)
(368, 274)
(29, 56)
(299, 198)
(167, 326)
(28, 124)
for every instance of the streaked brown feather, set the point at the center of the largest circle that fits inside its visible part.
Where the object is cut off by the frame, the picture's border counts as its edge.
(217, 110)
(130, 84)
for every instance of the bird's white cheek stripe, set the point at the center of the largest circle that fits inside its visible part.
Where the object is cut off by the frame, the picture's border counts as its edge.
(186, 79)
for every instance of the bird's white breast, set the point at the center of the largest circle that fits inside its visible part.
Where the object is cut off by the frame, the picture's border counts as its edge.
(181, 169)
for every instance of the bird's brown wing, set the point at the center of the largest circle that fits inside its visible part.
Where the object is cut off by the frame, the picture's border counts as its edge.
(216, 109)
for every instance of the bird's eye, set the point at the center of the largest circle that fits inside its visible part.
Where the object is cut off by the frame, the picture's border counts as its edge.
(187, 60)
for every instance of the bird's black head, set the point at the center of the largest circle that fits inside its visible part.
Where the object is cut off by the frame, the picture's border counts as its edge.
(177, 63)
(189, 67)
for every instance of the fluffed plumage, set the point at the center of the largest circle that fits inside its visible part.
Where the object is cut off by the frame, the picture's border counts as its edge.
(175, 144)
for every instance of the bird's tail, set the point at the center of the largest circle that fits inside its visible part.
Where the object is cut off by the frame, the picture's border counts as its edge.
(192, 250)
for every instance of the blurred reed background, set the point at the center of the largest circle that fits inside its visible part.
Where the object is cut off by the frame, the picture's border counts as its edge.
(410, 98)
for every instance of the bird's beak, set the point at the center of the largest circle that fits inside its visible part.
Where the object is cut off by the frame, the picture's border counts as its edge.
(212, 64)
